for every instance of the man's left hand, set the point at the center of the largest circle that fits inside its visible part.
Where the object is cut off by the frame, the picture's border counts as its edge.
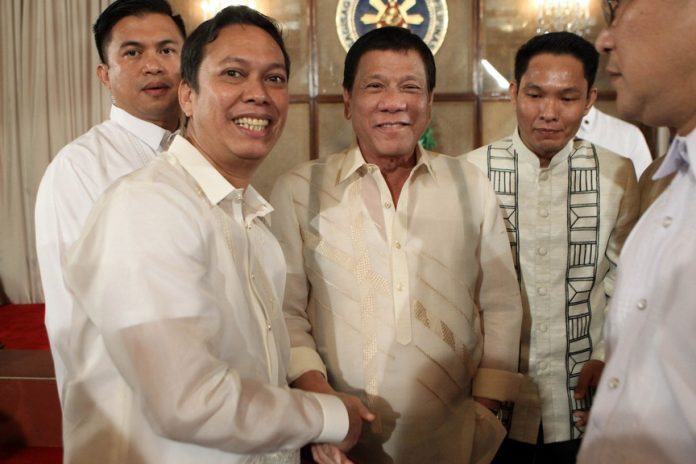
(589, 377)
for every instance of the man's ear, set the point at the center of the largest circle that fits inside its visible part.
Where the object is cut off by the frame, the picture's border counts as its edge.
(103, 75)
(591, 101)
(431, 99)
(186, 97)
(512, 92)
(347, 112)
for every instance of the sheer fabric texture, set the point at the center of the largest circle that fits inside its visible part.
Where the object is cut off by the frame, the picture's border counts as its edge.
(178, 347)
(404, 305)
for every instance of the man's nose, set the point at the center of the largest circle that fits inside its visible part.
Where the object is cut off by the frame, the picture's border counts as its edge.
(549, 109)
(152, 64)
(392, 100)
(255, 91)
(604, 42)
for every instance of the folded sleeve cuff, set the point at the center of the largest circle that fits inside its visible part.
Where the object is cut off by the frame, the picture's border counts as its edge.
(335, 426)
(497, 384)
(303, 359)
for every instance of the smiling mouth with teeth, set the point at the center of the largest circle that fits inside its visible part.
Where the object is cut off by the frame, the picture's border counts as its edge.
(392, 124)
(252, 124)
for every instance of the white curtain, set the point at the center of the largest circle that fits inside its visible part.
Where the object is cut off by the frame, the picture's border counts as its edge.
(49, 95)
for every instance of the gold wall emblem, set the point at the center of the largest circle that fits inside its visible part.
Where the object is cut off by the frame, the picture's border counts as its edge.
(426, 18)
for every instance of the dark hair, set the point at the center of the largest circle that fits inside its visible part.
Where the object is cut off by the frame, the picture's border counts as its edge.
(194, 48)
(123, 8)
(387, 38)
(559, 43)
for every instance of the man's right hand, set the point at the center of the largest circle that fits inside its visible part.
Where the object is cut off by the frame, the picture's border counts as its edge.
(315, 381)
(357, 413)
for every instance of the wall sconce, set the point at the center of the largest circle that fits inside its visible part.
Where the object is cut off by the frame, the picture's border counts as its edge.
(211, 7)
(563, 15)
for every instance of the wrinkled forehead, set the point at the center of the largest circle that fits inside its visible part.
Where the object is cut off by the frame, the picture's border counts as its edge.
(407, 61)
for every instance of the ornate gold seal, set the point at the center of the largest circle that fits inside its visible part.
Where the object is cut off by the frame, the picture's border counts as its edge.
(426, 18)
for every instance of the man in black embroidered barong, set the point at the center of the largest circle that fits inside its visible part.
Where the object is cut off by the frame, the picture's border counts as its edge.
(568, 206)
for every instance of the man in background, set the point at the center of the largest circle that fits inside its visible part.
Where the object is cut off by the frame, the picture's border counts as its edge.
(618, 136)
(139, 44)
(400, 286)
(569, 205)
(643, 411)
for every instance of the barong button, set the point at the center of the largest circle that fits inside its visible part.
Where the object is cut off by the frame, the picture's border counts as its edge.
(613, 383)
(642, 304)
(666, 222)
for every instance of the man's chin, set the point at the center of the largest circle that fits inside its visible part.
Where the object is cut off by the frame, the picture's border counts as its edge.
(550, 149)
(162, 111)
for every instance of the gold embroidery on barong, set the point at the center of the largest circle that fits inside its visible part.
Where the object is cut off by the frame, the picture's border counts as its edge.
(331, 253)
(369, 282)
(445, 333)
(421, 313)
(447, 336)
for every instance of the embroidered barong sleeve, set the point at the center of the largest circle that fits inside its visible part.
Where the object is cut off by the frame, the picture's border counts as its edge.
(141, 275)
(627, 216)
(498, 297)
(286, 228)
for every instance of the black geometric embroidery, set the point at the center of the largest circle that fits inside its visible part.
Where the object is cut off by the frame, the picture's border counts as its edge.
(502, 172)
(583, 240)
(583, 247)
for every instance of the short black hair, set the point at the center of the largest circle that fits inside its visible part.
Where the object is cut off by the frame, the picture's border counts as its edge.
(558, 43)
(123, 8)
(387, 38)
(194, 48)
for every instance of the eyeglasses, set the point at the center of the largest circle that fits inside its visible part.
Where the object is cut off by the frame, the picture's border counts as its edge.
(609, 8)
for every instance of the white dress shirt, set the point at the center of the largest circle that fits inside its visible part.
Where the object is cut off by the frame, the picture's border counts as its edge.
(566, 225)
(618, 136)
(644, 410)
(392, 300)
(73, 181)
(178, 347)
